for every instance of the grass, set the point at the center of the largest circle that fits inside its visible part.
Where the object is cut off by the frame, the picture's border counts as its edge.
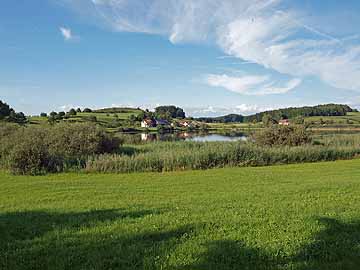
(352, 118)
(102, 117)
(283, 217)
(178, 156)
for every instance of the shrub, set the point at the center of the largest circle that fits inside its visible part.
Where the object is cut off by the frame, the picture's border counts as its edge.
(36, 151)
(30, 154)
(282, 135)
(81, 140)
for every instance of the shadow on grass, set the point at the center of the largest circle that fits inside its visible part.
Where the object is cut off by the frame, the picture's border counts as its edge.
(91, 240)
(33, 224)
(335, 247)
(97, 240)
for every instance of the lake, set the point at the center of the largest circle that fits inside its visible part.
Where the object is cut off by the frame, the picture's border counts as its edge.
(187, 136)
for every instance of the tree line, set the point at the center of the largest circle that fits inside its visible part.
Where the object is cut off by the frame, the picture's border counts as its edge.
(10, 115)
(287, 113)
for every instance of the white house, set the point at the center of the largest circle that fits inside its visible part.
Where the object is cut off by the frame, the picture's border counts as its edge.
(185, 123)
(284, 122)
(147, 123)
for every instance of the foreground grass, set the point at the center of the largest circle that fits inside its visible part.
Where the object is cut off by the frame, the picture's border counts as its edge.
(282, 217)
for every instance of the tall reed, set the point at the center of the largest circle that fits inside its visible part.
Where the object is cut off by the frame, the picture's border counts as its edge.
(174, 156)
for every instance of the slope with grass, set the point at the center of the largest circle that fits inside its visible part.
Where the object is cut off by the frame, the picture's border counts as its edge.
(106, 117)
(282, 217)
(351, 121)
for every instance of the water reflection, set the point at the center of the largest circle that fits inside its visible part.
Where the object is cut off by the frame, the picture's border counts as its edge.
(185, 136)
(218, 138)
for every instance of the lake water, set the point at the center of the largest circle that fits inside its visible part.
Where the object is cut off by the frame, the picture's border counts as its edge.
(187, 136)
(218, 138)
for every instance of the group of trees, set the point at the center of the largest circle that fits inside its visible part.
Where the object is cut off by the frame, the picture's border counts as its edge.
(293, 113)
(57, 116)
(273, 116)
(230, 118)
(8, 114)
(169, 112)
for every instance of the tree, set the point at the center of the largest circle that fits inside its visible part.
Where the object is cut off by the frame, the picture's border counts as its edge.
(140, 116)
(72, 112)
(169, 112)
(18, 118)
(43, 114)
(53, 114)
(4, 110)
(87, 110)
(78, 110)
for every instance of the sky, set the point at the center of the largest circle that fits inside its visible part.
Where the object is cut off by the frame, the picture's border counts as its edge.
(211, 57)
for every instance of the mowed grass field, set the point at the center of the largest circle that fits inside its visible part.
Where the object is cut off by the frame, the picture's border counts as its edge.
(352, 117)
(303, 216)
(101, 117)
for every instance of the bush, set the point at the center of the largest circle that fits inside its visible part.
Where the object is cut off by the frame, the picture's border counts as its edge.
(36, 151)
(282, 135)
(30, 154)
(81, 140)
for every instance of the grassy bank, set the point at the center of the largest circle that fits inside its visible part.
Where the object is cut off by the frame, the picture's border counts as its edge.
(288, 217)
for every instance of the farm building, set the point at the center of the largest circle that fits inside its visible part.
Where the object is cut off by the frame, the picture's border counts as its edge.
(147, 123)
(185, 124)
(284, 122)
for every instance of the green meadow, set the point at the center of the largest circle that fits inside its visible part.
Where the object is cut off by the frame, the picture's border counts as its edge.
(303, 216)
(83, 116)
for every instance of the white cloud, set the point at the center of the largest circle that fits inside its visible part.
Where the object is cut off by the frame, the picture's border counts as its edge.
(66, 33)
(251, 85)
(259, 31)
(244, 109)
(270, 42)
(272, 89)
(68, 107)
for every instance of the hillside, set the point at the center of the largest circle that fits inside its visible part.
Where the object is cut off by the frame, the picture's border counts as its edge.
(286, 113)
(108, 117)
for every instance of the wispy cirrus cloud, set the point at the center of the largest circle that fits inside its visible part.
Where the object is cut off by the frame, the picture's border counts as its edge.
(264, 32)
(251, 85)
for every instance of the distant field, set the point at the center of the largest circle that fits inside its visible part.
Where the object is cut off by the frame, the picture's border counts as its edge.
(101, 117)
(282, 217)
(353, 117)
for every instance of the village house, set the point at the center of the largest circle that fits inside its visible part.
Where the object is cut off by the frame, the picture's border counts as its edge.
(185, 123)
(284, 122)
(148, 123)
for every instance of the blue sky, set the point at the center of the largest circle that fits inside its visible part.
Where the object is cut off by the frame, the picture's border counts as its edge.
(209, 56)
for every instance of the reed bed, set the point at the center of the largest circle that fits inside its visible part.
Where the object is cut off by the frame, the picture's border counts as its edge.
(178, 156)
